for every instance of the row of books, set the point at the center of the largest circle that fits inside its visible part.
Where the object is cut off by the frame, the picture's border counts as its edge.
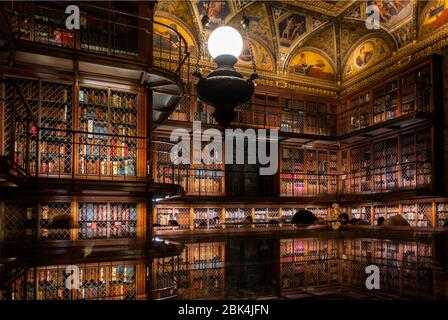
(105, 212)
(99, 97)
(99, 167)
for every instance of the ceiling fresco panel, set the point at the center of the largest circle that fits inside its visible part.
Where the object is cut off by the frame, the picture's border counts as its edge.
(366, 54)
(434, 15)
(311, 63)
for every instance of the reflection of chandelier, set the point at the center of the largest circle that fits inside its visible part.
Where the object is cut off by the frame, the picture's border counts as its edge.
(225, 88)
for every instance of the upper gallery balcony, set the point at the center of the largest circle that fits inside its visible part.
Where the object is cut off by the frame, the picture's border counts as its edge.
(398, 102)
(90, 135)
(115, 40)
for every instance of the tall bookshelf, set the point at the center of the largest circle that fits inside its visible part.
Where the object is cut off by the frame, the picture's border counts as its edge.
(56, 114)
(308, 171)
(108, 123)
(391, 163)
(293, 116)
(51, 106)
(407, 92)
(361, 212)
(442, 213)
(418, 214)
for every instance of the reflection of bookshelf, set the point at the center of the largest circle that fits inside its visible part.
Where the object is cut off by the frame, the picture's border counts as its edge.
(103, 112)
(112, 280)
(308, 262)
(107, 220)
(201, 270)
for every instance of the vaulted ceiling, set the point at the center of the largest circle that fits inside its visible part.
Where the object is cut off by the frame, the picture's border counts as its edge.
(328, 41)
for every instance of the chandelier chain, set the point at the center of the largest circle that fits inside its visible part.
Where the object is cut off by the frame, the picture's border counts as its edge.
(249, 45)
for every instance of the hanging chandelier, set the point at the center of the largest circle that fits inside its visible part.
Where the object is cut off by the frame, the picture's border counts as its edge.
(225, 88)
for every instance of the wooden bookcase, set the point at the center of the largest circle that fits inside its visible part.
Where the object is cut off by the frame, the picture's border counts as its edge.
(307, 171)
(109, 120)
(103, 144)
(394, 162)
(407, 92)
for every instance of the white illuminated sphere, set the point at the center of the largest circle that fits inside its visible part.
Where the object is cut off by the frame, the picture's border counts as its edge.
(225, 40)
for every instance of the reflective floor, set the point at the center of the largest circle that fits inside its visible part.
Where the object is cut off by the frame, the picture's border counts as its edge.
(250, 268)
(299, 268)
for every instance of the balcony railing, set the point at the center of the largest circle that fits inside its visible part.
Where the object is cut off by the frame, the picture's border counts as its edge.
(416, 97)
(220, 182)
(216, 182)
(102, 30)
(42, 151)
(308, 184)
(55, 153)
(262, 116)
(200, 182)
(404, 176)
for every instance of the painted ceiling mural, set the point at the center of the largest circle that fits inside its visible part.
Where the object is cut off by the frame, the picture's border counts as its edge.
(434, 16)
(312, 64)
(392, 13)
(325, 40)
(166, 33)
(365, 54)
(290, 27)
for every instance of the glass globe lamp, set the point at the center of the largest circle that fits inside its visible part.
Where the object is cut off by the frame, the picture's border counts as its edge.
(224, 88)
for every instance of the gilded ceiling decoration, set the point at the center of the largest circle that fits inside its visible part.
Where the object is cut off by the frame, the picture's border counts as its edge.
(324, 40)
(260, 28)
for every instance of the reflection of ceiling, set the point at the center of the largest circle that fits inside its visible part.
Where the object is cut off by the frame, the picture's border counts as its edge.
(314, 38)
